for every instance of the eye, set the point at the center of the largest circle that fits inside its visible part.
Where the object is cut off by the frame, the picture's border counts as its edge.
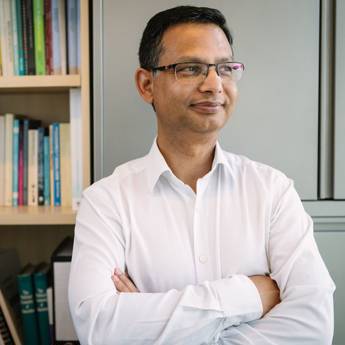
(225, 69)
(188, 69)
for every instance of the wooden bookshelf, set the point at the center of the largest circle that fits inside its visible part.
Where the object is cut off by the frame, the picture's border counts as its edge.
(35, 82)
(36, 215)
(36, 230)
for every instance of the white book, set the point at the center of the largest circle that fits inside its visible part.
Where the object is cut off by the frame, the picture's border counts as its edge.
(65, 164)
(33, 168)
(76, 146)
(2, 160)
(8, 158)
(6, 38)
(62, 29)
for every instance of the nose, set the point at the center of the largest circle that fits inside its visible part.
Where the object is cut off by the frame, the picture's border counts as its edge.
(212, 82)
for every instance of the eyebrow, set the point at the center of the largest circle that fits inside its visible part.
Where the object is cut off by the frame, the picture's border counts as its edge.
(196, 59)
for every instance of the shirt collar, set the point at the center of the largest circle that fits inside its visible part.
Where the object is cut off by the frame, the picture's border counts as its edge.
(156, 164)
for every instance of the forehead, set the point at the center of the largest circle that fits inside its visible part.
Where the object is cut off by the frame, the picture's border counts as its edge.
(202, 41)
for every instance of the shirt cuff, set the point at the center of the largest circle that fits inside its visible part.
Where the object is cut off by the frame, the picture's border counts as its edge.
(239, 299)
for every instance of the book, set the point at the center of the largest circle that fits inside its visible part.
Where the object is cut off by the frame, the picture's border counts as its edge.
(19, 32)
(33, 168)
(51, 166)
(2, 160)
(65, 165)
(9, 297)
(62, 36)
(27, 302)
(76, 147)
(46, 169)
(78, 35)
(40, 174)
(8, 158)
(21, 163)
(72, 38)
(15, 38)
(6, 38)
(56, 58)
(5, 335)
(41, 285)
(28, 32)
(38, 16)
(56, 163)
(48, 36)
(50, 313)
(15, 161)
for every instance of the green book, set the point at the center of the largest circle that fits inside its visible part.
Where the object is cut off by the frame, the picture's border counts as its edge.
(41, 285)
(27, 303)
(38, 14)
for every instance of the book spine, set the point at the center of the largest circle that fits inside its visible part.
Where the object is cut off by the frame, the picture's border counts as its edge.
(62, 29)
(72, 41)
(56, 37)
(7, 43)
(56, 164)
(25, 36)
(2, 160)
(50, 313)
(2, 39)
(8, 158)
(38, 13)
(33, 167)
(21, 164)
(78, 36)
(15, 151)
(28, 311)
(65, 164)
(15, 37)
(19, 18)
(41, 285)
(51, 165)
(30, 36)
(48, 35)
(26, 160)
(40, 181)
(46, 163)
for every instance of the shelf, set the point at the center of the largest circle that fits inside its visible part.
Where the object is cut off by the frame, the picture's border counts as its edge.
(36, 215)
(34, 82)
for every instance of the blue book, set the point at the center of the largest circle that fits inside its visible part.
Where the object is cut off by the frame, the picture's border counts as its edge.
(21, 60)
(56, 65)
(15, 162)
(78, 35)
(72, 39)
(26, 160)
(40, 182)
(56, 164)
(46, 169)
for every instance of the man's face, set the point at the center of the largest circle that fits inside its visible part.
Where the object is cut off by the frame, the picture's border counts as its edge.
(194, 107)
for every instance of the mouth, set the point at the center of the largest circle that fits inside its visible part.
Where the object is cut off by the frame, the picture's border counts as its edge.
(207, 107)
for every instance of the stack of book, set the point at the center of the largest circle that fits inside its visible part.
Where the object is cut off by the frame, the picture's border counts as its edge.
(39, 37)
(39, 165)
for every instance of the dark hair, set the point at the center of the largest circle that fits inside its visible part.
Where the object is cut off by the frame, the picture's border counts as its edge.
(151, 41)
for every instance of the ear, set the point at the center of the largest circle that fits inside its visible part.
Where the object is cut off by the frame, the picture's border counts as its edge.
(144, 83)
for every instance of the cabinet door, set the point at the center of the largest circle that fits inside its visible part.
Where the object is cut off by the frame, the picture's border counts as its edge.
(331, 246)
(276, 120)
(339, 162)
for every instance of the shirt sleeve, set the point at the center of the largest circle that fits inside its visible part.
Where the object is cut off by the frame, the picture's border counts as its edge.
(305, 314)
(102, 316)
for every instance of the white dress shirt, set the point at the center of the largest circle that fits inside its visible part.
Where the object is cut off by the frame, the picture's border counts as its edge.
(190, 255)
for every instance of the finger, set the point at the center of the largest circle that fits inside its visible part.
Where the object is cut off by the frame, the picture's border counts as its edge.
(119, 284)
(124, 277)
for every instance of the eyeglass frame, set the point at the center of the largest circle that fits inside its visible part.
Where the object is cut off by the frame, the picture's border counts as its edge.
(173, 66)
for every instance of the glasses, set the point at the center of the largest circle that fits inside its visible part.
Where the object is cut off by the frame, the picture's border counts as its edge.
(198, 71)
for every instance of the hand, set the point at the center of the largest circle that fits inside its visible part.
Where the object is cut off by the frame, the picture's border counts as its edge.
(123, 282)
(268, 290)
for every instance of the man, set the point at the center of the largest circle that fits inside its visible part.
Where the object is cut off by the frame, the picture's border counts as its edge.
(186, 245)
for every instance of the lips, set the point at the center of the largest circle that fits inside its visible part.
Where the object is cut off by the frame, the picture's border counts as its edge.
(207, 107)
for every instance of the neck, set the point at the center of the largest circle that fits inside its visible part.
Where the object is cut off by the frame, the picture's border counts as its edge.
(189, 157)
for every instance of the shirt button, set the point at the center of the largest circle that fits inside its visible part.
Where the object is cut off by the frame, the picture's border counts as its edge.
(203, 259)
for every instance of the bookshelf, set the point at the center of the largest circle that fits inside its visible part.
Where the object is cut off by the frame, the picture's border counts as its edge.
(36, 230)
